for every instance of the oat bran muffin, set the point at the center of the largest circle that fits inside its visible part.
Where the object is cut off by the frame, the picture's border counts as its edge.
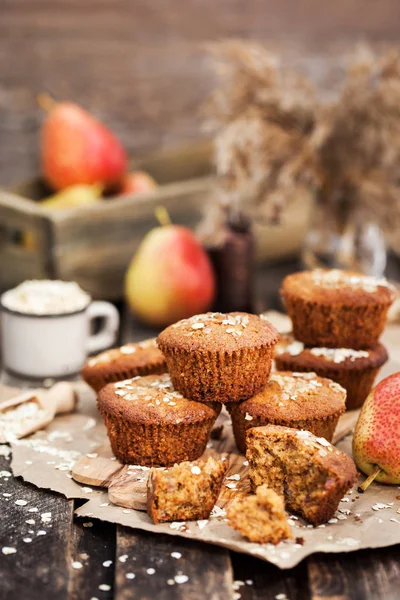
(185, 492)
(308, 472)
(219, 357)
(354, 370)
(260, 518)
(337, 309)
(151, 424)
(130, 360)
(298, 400)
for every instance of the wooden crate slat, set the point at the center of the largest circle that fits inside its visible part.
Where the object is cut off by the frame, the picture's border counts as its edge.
(208, 568)
(91, 547)
(39, 569)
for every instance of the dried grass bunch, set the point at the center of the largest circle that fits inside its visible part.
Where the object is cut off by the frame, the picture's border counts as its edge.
(264, 120)
(360, 154)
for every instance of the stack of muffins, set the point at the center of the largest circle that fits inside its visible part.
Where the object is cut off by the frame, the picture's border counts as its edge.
(338, 317)
(162, 402)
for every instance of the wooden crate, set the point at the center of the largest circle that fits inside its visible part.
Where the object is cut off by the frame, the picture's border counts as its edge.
(94, 244)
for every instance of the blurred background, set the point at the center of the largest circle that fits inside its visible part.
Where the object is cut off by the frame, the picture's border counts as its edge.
(254, 156)
(142, 68)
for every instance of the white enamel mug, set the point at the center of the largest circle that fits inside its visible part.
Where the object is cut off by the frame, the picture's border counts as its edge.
(54, 345)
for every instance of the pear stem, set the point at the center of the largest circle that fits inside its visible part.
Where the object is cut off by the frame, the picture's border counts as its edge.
(364, 486)
(162, 216)
(45, 101)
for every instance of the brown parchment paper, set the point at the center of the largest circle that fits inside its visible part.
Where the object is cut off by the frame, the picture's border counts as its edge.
(370, 520)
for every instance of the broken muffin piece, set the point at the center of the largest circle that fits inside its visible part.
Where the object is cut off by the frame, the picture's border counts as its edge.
(308, 472)
(186, 491)
(260, 518)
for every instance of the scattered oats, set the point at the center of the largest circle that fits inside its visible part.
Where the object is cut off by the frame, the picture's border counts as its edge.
(86, 490)
(107, 563)
(41, 532)
(202, 523)
(21, 502)
(237, 584)
(248, 417)
(92, 455)
(27, 540)
(46, 517)
(249, 582)
(395, 520)
(196, 470)
(88, 524)
(104, 587)
(123, 558)
(76, 564)
(33, 509)
(198, 325)
(150, 571)
(235, 477)
(103, 504)
(8, 550)
(281, 597)
(170, 582)
(231, 486)
(127, 511)
(332, 521)
(181, 578)
(177, 524)
(245, 463)
(30, 521)
(130, 576)
(6, 495)
(218, 512)
(379, 506)
(5, 474)
(176, 555)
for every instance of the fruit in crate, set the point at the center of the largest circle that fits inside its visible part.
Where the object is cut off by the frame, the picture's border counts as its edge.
(170, 277)
(138, 182)
(77, 149)
(376, 441)
(73, 196)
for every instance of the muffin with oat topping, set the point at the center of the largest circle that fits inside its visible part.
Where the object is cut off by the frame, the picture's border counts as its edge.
(149, 423)
(298, 400)
(130, 360)
(355, 370)
(308, 472)
(337, 309)
(219, 357)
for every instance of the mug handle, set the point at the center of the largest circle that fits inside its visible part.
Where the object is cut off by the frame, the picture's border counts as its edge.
(108, 333)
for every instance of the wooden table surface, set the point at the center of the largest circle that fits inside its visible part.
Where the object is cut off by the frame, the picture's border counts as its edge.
(44, 568)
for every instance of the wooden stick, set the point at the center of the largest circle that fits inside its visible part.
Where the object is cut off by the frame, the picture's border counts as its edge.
(364, 486)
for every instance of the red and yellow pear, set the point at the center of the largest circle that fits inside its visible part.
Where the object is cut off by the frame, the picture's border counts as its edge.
(376, 440)
(138, 182)
(77, 149)
(170, 277)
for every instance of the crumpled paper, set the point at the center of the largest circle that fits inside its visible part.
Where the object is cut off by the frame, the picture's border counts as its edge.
(367, 520)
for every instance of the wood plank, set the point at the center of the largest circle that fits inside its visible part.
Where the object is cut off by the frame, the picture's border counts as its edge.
(40, 568)
(141, 66)
(255, 580)
(364, 574)
(91, 547)
(207, 568)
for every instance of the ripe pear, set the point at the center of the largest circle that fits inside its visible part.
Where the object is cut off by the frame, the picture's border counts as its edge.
(77, 149)
(75, 195)
(138, 182)
(376, 440)
(170, 277)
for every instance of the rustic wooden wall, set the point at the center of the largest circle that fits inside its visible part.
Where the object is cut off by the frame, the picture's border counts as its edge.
(140, 64)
